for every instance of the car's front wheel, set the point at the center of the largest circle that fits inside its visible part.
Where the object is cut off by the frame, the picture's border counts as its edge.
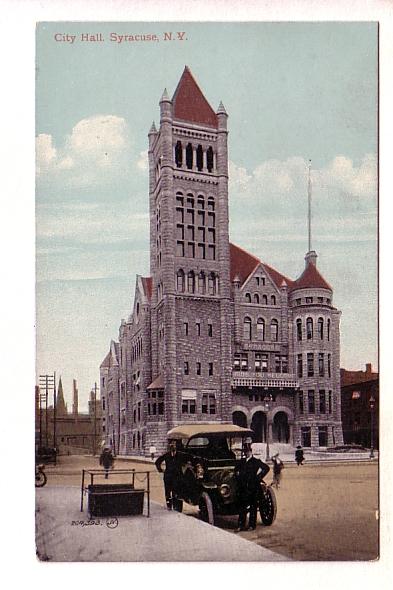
(267, 506)
(206, 508)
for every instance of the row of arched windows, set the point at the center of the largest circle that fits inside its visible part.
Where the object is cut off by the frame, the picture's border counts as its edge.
(320, 326)
(194, 157)
(201, 283)
(264, 299)
(259, 333)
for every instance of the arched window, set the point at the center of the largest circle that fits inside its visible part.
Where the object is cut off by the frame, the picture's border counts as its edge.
(264, 299)
(261, 329)
(201, 283)
(201, 202)
(273, 300)
(191, 282)
(247, 329)
(180, 281)
(309, 328)
(211, 284)
(328, 329)
(248, 298)
(199, 158)
(299, 329)
(210, 204)
(274, 330)
(209, 158)
(178, 154)
(256, 298)
(320, 328)
(189, 156)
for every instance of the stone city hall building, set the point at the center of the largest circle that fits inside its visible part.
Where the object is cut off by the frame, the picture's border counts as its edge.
(215, 334)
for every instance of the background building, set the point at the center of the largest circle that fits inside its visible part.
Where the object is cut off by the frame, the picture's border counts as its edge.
(359, 417)
(216, 334)
(74, 431)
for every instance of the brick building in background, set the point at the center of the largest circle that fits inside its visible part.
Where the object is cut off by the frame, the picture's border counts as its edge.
(357, 388)
(215, 334)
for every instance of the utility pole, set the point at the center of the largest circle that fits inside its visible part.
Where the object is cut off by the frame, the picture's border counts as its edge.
(54, 414)
(46, 384)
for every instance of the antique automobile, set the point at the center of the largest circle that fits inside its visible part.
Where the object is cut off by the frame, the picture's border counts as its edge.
(210, 453)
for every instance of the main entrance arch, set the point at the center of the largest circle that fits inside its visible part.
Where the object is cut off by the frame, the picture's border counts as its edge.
(258, 425)
(280, 428)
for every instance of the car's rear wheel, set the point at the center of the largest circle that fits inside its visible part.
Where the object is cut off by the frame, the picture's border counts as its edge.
(267, 506)
(206, 508)
(40, 479)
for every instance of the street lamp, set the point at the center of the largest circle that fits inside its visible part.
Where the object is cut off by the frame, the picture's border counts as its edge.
(267, 401)
(371, 402)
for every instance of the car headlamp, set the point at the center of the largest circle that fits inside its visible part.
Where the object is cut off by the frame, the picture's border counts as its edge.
(225, 490)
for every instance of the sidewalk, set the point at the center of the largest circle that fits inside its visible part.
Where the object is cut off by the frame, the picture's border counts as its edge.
(165, 536)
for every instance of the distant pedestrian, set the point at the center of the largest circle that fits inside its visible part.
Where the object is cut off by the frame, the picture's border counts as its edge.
(152, 451)
(174, 462)
(249, 472)
(299, 455)
(106, 460)
(278, 466)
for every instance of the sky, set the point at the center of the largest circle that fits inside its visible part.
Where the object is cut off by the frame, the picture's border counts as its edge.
(293, 92)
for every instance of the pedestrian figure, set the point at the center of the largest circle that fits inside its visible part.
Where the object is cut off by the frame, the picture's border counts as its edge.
(106, 460)
(249, 472)
(299, 455)
(172, 474)
(278, 466)
(152, 452)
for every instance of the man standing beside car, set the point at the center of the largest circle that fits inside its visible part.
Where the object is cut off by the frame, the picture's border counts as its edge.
(172, 474)
(249, 472)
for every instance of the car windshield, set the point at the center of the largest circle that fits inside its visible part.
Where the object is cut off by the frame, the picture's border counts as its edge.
(215, 447)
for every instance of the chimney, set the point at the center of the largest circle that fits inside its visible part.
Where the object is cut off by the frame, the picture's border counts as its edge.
(368, 369)
(75, 400)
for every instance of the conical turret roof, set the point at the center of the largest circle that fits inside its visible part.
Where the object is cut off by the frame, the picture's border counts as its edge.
(189, 103)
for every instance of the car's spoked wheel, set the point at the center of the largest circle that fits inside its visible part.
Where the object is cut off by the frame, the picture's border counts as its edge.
(206, 508)
(268, 506)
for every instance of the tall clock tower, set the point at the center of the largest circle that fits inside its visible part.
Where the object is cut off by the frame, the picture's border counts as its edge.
(189, 257)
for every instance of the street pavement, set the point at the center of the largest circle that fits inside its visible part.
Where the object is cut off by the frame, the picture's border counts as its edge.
(326, 510)
(63, 533)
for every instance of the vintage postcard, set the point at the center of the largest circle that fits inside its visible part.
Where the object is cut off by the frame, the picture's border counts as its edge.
(206, 291)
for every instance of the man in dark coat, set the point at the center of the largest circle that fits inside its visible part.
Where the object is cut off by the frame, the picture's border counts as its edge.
(299, 455)
(249, 472)
(106, 460)
(174, 462)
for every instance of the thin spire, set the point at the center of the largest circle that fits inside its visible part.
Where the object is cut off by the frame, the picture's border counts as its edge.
(309, 205)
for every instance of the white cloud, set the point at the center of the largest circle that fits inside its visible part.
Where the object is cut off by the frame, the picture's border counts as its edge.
(279, 187)
(143, 162)
(97, 146)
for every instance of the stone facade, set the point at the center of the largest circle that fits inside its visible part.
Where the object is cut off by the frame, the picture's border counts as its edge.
(215, 334)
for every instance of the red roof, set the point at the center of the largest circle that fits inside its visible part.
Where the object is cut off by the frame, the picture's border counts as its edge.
(147, 285)
(243, 264)
(357, 377)
(106, 362)
(189, 104)
(310, 278)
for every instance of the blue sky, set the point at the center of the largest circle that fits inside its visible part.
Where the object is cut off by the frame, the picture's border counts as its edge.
(292, 92)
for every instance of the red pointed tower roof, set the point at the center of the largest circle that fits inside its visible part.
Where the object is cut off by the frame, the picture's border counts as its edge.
(311, 278)
(189, 104)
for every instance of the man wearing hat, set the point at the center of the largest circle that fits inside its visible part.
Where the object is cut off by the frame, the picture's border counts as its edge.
(174, 462)
(249, 472)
